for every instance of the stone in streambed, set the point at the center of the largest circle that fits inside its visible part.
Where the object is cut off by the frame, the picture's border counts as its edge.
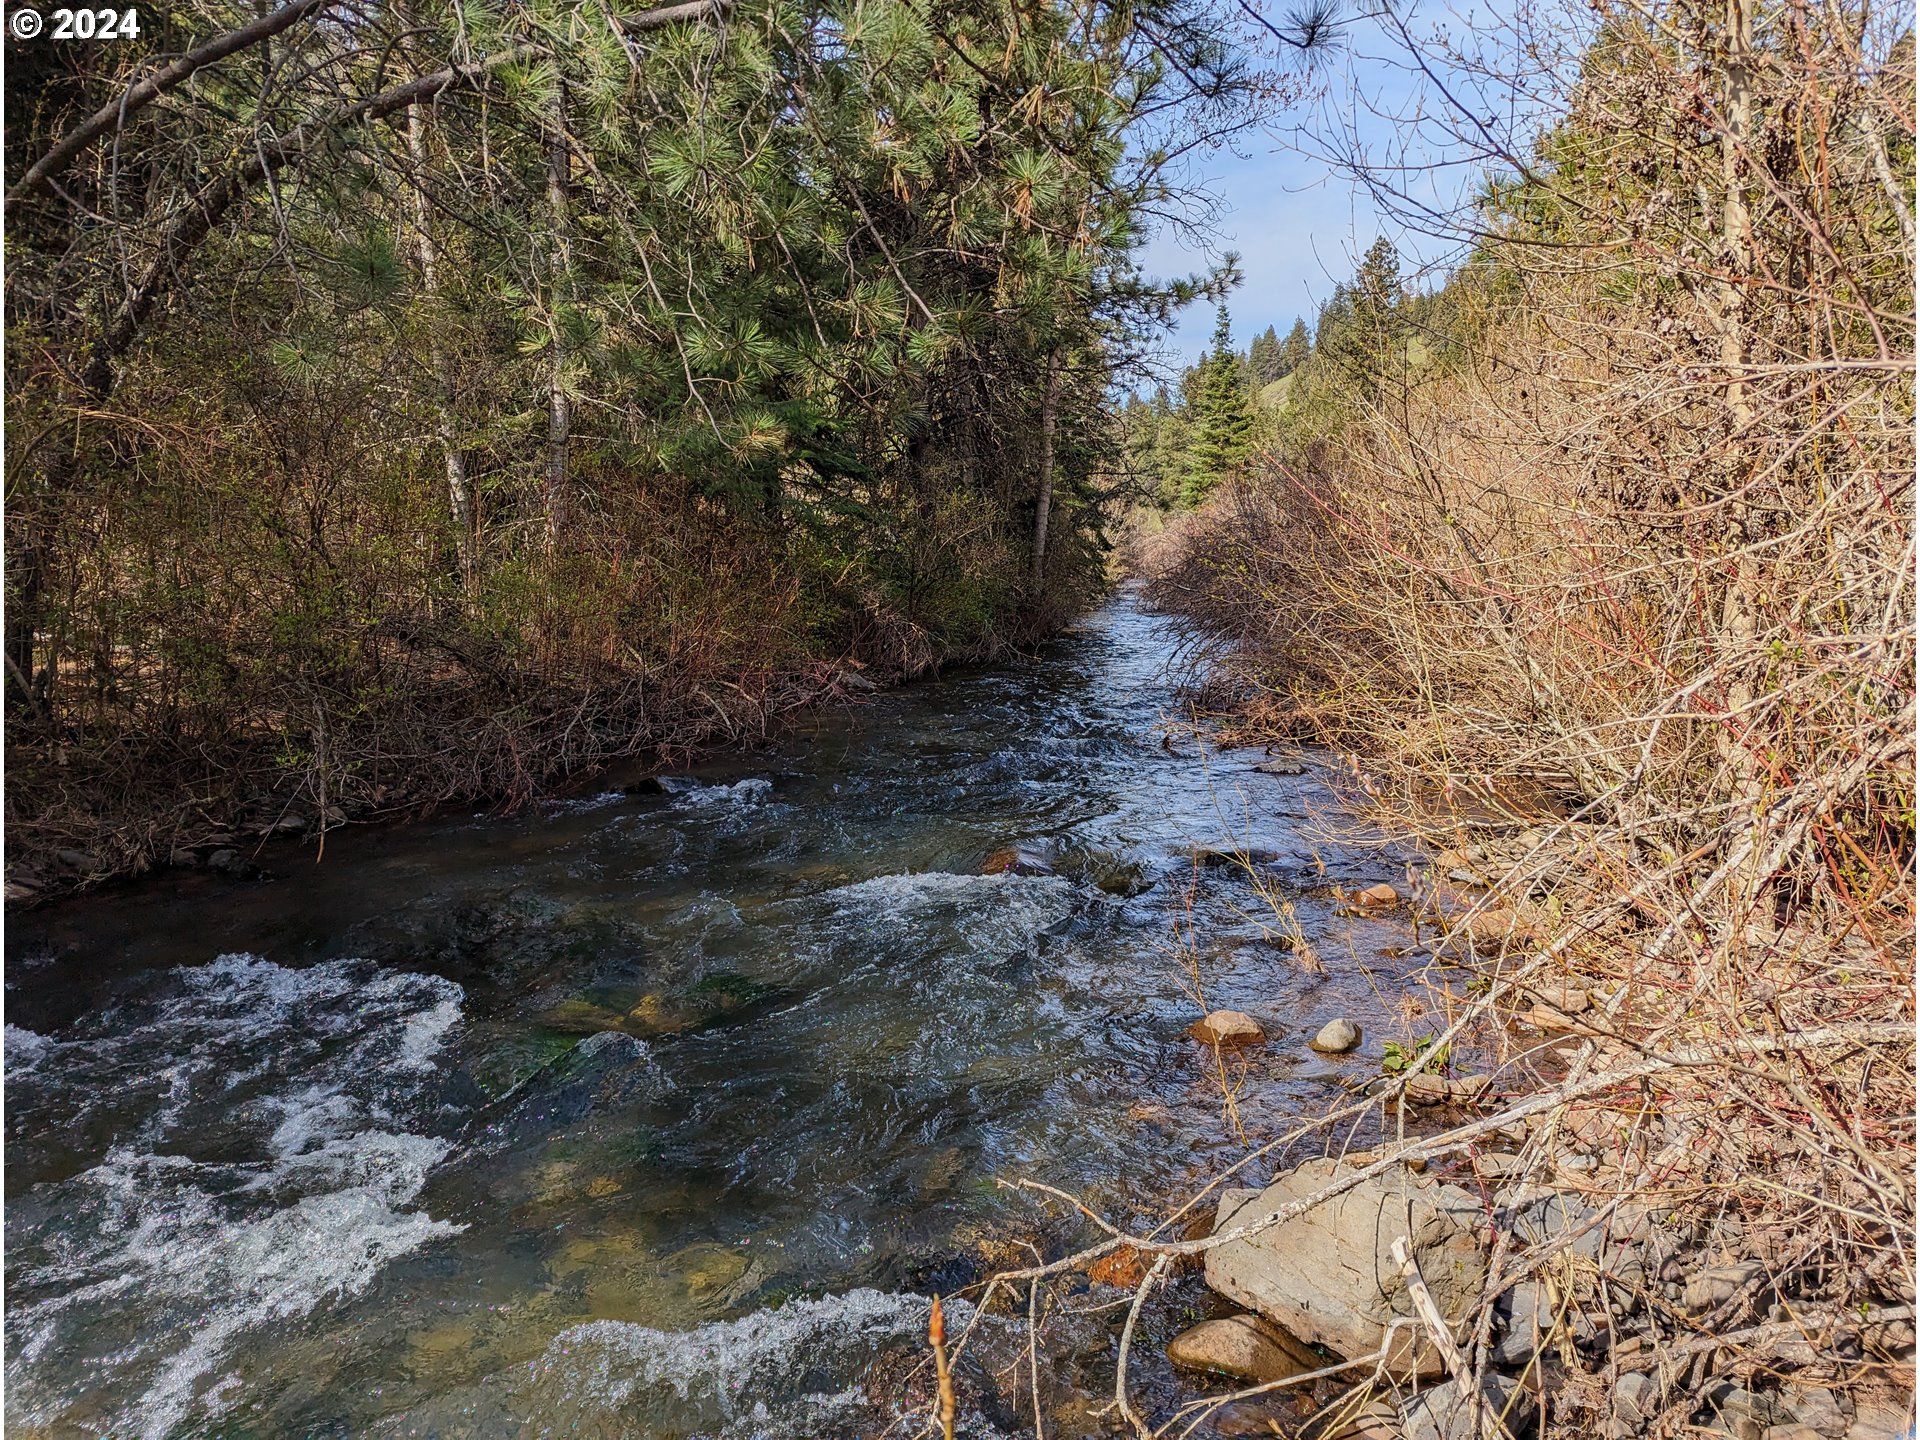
(1227, 1029)
(1244, 1347)
(1337, 1037)
(1376, 897)
(1282, 766)
(1017, 860)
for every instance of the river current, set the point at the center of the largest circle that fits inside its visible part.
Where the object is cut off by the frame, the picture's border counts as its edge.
(663, 1111)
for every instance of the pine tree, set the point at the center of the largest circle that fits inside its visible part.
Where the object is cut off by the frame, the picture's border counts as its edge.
(1223, 417)
(1295, 349)
(1263, 357)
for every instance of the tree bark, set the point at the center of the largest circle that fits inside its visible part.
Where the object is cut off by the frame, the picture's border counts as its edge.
(1739, 618)
(559, 406)
(459, 486)
(1043, 510)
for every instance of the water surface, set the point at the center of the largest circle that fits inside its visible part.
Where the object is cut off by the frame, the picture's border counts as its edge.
(657, 1113)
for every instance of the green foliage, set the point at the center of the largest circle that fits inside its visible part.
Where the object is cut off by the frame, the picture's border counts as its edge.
(1399, 1058)
(796, 283)
(1223, 417)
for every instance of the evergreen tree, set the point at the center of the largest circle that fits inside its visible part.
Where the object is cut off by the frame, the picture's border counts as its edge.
(1295, 349)
(1264, 359)
(1223, 417)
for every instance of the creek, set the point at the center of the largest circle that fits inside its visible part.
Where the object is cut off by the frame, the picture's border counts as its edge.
(661, 1111)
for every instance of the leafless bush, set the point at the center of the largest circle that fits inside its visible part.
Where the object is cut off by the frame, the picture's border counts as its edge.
(1613, 602)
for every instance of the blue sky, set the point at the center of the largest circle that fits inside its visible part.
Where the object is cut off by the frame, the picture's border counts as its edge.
(1297, 222)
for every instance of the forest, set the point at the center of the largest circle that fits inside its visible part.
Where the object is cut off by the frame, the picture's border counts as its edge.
(408, 403)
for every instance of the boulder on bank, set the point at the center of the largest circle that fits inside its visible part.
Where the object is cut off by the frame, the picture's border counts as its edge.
(1337, 1037)
(1227, 1029)
(1245, 1347)
(1328, 1275)
(1447, 1412)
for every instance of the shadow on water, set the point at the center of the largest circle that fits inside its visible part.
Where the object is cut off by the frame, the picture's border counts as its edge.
(657, 1112)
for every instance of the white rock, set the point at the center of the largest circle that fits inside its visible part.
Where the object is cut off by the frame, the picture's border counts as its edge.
(1719, 1284)
(1336, 1037)
(1882, 1420)
(1818, 1410)
(1444, 1413)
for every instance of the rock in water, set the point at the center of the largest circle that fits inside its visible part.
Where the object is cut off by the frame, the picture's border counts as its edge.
(1328, 1275)
(1017, 860)
(1282, 766)
(1243, 1346)
(1336, 1037)
(1377, 897)
(1228, 1029)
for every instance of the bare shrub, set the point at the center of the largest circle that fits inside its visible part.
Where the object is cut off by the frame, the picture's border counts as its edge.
(1612, 596)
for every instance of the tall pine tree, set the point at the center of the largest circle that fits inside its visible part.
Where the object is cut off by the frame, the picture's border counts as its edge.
(1295, 349)
(1263, 357)
(1223, 417)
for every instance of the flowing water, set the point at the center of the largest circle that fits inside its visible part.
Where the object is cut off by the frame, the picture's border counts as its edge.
(660, 1112)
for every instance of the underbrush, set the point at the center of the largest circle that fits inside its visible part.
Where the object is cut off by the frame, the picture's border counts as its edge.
(294, 658)
(1657, 742)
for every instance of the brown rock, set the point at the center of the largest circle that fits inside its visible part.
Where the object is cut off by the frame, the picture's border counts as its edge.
(1016, 860)
(1490, 929)
(1243, 1346)
(1124, 1267)
(1377, 897)
(1429, 1089)
(1227, 1029)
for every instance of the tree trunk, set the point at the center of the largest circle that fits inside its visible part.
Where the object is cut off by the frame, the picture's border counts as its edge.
(559, 406)
(459, 486)
(1043, 510)
(1739, 610)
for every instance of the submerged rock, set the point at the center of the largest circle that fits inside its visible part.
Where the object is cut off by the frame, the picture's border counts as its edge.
(1284, 765)
(1227, 1029)
(1328, 1275)
(1245, 1347)
(1336, 1037)
(1017, 860)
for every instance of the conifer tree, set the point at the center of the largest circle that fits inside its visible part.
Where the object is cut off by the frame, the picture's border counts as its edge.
(1295, 349)
(1263, 357)
(1223, 417)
